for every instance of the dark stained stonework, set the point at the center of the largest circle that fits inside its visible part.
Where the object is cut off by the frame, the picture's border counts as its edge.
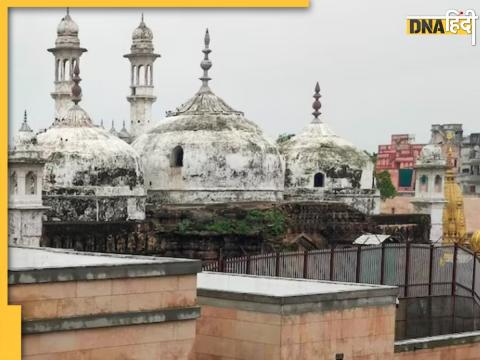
(210, 231)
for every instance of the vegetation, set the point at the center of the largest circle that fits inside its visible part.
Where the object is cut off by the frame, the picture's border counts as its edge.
(271, 223)
(385, 185)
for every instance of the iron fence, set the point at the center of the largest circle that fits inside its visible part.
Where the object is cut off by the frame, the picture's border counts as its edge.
(418, 270)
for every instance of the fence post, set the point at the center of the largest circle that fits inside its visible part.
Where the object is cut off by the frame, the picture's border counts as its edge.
(430, 271)
(248, 265)
(277, 264)
(407, 267)
(305, 264)
(382, 265)
(357, 272)
(473, 275)
(332, 264)
(221, 263)
(454, 270)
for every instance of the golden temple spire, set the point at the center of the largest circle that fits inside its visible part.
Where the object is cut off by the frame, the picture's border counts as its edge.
(454, 229)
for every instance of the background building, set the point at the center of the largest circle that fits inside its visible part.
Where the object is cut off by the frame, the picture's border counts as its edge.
(398, 158)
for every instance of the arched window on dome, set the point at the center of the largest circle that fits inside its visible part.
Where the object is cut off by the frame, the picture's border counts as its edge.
(176, 157)
(319, 180)
(12, 183)
(424, 183)
(30, 183)
(438, 184)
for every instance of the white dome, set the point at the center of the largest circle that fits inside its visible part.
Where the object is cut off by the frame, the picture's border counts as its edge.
(225, 157)
(89, 167)
(317, 149)
(431, 155)
(67, 33)
(67, 26)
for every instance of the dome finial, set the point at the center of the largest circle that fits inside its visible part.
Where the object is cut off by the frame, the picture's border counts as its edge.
(316, 104)
(68, 11)
(206, 64)
(76, 89)
(142, 18)
(25, 126)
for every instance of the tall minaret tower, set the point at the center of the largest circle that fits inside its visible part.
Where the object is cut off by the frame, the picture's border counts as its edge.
(141, 97)
(67, 52)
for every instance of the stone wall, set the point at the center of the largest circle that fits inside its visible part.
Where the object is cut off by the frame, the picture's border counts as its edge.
(210, 231)
(464, 346)
(106, 315)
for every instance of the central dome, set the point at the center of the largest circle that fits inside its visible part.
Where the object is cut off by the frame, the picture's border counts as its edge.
(205, 151)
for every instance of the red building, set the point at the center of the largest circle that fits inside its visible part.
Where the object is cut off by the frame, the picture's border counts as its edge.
(398, 158)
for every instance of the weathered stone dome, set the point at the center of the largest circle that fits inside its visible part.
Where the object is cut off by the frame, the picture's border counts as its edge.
(317, 159)
(142, 38)
(205, 151)
(89, 173)
(431, 154)
(67, 32)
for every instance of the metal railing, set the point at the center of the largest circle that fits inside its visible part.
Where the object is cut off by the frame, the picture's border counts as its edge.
(419, 270)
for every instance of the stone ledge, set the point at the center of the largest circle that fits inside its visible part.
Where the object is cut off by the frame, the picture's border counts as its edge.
(109, 320)
(101, 272)
(294, 308)
(113, 266)
(437, 341)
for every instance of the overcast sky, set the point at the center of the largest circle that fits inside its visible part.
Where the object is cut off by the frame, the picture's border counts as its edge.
(375, 80)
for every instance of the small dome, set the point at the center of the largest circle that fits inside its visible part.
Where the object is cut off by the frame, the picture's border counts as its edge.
(67, 33)
(318, 159)
(142, 39)
(67, 27)
(142, 33)
(431, 155)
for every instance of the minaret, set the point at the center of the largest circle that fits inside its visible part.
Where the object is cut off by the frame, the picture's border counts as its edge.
(141, 96)
(67, 52)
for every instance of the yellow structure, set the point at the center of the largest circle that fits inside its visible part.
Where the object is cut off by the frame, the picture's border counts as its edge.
(454, 229)
(475, 241)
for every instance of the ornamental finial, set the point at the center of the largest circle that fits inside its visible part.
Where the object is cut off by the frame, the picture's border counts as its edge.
(76, 89)
(206, 64)
(25, 116)
(68, 11)
(316, 104)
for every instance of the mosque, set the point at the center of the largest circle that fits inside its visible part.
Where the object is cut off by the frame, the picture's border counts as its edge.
(203, 152)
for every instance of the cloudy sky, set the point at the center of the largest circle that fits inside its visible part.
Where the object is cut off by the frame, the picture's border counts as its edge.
(375, 79)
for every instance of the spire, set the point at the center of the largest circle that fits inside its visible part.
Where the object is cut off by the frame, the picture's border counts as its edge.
(76, 89)
(68, 11)
(316, 104)
(206, 64)
(113, 125)
(142, 19)
(123, 128)
(101, 124)
(25, 126)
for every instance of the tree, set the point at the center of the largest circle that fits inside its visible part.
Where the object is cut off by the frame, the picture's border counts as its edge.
(385, 185)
